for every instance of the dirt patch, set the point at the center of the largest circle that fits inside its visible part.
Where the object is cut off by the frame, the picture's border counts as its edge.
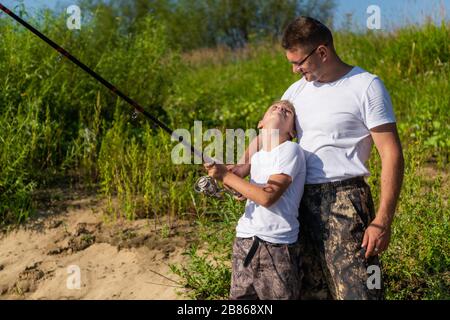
(70, 251)
(29, 279)
(432, 176)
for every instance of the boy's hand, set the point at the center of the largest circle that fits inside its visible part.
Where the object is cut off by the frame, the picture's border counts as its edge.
(240, 198)
(236, 197)
(241, 170)
(215, 170)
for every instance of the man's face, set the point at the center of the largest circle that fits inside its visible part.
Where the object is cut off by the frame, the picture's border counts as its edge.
(305, 62)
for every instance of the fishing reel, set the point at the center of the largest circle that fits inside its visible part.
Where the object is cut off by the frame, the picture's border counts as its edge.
(209, 187)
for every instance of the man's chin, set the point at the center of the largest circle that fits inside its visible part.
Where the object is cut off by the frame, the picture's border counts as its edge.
(308, 77)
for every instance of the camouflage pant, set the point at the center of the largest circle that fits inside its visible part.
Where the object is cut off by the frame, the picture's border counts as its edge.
(272, 274)
(333, 218)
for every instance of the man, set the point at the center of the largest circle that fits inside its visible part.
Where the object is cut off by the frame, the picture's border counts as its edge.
(343, 111)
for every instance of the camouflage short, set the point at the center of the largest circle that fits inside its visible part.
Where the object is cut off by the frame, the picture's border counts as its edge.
(333, 217)
(272, 274)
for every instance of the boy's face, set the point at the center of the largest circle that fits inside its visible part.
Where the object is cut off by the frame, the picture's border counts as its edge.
(279, 116)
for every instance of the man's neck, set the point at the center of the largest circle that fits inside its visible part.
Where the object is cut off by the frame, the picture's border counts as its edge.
(336, 70)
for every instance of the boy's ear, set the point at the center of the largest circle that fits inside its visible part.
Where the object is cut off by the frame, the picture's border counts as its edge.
(293, 133)
(260, 124)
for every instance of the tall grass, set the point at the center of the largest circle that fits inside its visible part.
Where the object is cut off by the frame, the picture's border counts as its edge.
(53, 115)
(135, 165)
(15, 187)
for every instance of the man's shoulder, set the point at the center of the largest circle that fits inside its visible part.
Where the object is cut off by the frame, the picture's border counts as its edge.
(294, 89)
(363, 76)
(370, 83)
(298, 83)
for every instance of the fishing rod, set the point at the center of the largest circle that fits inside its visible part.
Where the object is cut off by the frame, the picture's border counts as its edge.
(204, 184)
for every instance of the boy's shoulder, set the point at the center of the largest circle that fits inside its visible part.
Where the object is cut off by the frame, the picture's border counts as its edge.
(287, 149)
(292, 148)
(292, 151)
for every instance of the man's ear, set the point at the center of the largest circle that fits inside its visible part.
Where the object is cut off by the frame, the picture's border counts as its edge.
(324, 53)
(260, 124)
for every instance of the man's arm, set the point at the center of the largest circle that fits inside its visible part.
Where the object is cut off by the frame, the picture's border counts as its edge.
(265, 195)
(387, 142)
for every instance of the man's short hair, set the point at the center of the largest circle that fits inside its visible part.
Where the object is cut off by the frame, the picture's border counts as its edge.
(306, 32)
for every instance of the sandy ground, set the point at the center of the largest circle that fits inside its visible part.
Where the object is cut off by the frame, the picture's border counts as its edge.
(72, 245)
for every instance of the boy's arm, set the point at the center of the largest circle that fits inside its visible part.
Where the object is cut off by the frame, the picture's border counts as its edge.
(265, 195)
(242, 168)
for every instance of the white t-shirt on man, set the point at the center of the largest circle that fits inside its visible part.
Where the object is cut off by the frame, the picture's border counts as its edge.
(277, 223)
(333, 121)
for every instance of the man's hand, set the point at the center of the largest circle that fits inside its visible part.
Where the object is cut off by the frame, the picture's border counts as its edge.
(215, 170)
(376, 239)
(241, 170)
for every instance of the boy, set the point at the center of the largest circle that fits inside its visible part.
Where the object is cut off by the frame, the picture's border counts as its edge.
(266, 252)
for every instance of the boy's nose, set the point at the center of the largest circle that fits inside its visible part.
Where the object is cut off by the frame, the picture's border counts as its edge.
(280, 108)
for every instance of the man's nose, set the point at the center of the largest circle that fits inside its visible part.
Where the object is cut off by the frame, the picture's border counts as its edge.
(296, 68)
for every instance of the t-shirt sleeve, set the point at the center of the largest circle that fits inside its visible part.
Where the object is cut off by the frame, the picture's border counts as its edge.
(288, 161)
(378, 108)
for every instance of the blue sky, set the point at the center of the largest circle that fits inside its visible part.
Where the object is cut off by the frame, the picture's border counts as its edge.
(394, 13)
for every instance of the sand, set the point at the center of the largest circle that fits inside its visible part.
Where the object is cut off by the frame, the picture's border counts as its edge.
(71, 252)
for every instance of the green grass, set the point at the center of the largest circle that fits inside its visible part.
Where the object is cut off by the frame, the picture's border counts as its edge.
(55, 120)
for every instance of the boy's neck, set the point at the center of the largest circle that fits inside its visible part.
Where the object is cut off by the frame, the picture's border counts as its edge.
(272, 138)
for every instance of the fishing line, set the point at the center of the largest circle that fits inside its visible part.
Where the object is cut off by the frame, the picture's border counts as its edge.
(205, 185)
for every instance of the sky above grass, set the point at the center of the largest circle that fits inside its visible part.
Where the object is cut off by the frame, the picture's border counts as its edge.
(394, 13)
(347, 14)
